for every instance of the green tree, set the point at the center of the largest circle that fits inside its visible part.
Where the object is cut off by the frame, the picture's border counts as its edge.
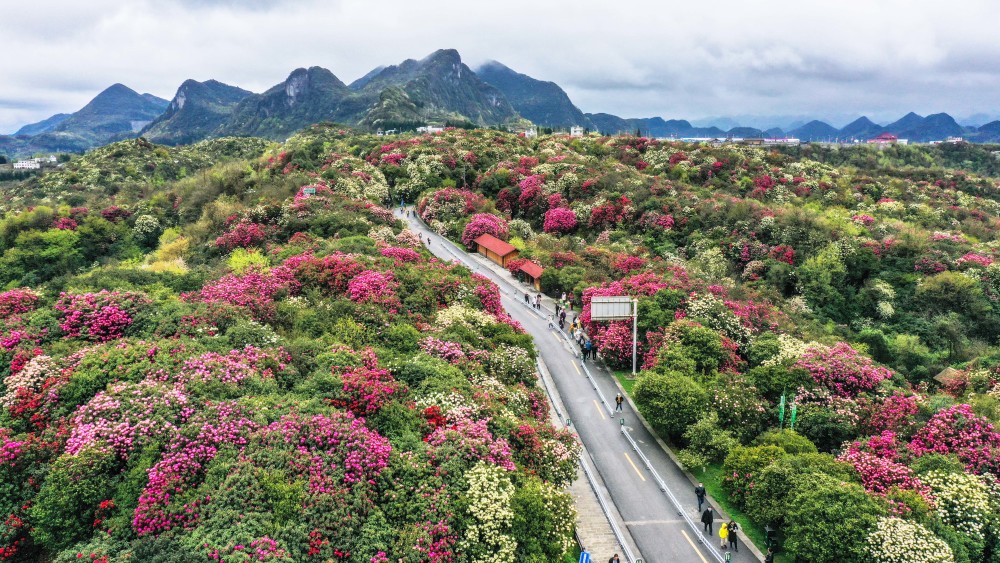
(670, 401)
(828, 520)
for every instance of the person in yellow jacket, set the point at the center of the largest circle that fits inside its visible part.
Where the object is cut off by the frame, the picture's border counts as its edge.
(724, 536)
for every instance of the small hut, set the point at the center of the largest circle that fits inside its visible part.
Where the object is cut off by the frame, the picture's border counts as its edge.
(495, 249)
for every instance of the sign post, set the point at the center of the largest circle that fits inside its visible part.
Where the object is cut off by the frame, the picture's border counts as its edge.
(584, 556)
(618, 308)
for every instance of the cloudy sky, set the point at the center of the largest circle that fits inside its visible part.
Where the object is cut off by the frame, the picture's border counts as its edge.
(779, 58)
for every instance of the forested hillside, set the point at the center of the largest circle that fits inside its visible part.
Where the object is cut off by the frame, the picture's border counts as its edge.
(191, 338)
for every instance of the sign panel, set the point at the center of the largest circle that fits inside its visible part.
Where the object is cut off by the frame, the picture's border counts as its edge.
(584, 557)
(611, 308)
(308, 191)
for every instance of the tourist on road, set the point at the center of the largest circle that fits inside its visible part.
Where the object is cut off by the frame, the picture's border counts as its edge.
(769, 558)
(699, 492)
(614, 559)
(707, 518)
(618, 402)
(724, 536)
(588, 349)
(733, 528)
(550, 321)
(527, 300)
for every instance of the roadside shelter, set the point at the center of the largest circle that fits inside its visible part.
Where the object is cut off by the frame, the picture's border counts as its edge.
(495, 249)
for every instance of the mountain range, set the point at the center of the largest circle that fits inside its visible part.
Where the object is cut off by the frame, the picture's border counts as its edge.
(438, 89)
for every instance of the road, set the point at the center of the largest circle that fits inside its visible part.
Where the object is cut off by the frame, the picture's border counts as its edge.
(660, 531)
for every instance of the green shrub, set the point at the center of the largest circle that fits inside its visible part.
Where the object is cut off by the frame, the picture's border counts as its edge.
(823, 508)
(741, 467)
(789, 440)
(670, 401)
(64, 509)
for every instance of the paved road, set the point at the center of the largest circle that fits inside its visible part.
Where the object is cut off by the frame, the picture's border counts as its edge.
(658, 528)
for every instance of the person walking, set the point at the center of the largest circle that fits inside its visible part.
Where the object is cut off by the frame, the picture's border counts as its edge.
(733, 528)
(562, 322)
(527, 300)
(538, 301)
(614, 559)
(707, 518)
(699, 492)
(618, 402)
(769, 558)
(550, 321)
(724, 536)
(588, 347)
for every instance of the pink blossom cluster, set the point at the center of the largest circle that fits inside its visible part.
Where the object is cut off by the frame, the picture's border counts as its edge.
(958, 430)
(127, 416)
(255, 290)
(531, 191)
(484, 223)
(470, 439)
(99, 316)
(393, 158)
(17, 301)
(896, 412)
(236, 366)
(115, 214)
(261, 549)
(451, 352)
(842, 370)
(244, 234)
(372, 286)
(863, 219)
(400, 255)
(489, 295)
(754, 315)
(973, 259)
(325, 443)
(880, 475)
(183, 464)
(560, 220)
(10, 450)
(449, 203)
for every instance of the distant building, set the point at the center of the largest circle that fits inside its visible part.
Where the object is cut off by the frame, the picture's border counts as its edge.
(532, 274)
(576, 131)
(530, 133)
(429, 129)
(32, 164)
(887, 139)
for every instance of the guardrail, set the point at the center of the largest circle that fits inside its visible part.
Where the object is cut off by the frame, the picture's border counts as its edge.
(619, 535)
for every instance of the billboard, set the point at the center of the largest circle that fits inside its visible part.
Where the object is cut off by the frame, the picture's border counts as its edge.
(611, 308)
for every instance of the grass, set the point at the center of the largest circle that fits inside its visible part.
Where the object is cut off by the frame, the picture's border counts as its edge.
(624, 379)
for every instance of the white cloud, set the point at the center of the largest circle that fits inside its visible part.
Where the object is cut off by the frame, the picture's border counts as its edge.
(632, 58)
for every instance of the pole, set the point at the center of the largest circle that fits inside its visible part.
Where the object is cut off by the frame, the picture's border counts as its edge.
(635, 332)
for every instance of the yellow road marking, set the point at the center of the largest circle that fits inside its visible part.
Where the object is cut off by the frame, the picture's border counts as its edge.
(577, 368)
(694, 547)
(637, 472)
(600, 411)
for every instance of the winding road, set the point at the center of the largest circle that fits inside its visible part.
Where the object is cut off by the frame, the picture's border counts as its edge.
(644, 483)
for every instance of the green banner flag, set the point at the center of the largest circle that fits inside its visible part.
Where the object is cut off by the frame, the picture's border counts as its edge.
(791, 423)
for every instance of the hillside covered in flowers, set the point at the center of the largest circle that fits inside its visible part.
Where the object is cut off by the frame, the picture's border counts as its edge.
(238, 331)
(203, 361)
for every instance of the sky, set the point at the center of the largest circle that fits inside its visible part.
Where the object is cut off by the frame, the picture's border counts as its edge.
(763, 62)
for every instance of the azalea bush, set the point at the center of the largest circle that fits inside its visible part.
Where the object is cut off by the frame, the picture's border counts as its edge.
(898, 541)
(101, 316)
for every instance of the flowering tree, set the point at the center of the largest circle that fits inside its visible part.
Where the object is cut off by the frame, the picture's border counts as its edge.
(99, 316)
(559, 220)
(484, 223)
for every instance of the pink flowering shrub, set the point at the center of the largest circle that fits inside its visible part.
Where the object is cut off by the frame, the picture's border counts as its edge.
(450, 352)
(863, 219)
(449, 204)
(626, 264)
(372, 286)
(895, 413)
(64, 224)
(17, 301)
(468, 441)
(842, 370)
(366, 390)
(101, 316)
(400, 255)
(973, 259)
(489, 296)
(484, 223)
(880, 475)
(559, 220)
(957, 430)
(254, 291)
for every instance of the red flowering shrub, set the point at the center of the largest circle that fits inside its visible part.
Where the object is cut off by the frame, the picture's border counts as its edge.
(484, 223)
(64, 224)
(243, 234)
(17, 301)
(330, 273)
(626, 264)
(254, 291)
(115, 213)
(372, 286)
(559, 220)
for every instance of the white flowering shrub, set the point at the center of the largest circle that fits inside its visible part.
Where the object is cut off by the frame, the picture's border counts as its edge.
(521, 228)
(895, 540)
(790, 350)
(511, 364)
(463, 316)
(32, 376)
(490, 516)
(963, 500)
(382, 234)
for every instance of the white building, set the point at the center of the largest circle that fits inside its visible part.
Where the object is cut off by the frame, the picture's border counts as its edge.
(530, 133)
(429, 129)
(576, 131)
(32, 164)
